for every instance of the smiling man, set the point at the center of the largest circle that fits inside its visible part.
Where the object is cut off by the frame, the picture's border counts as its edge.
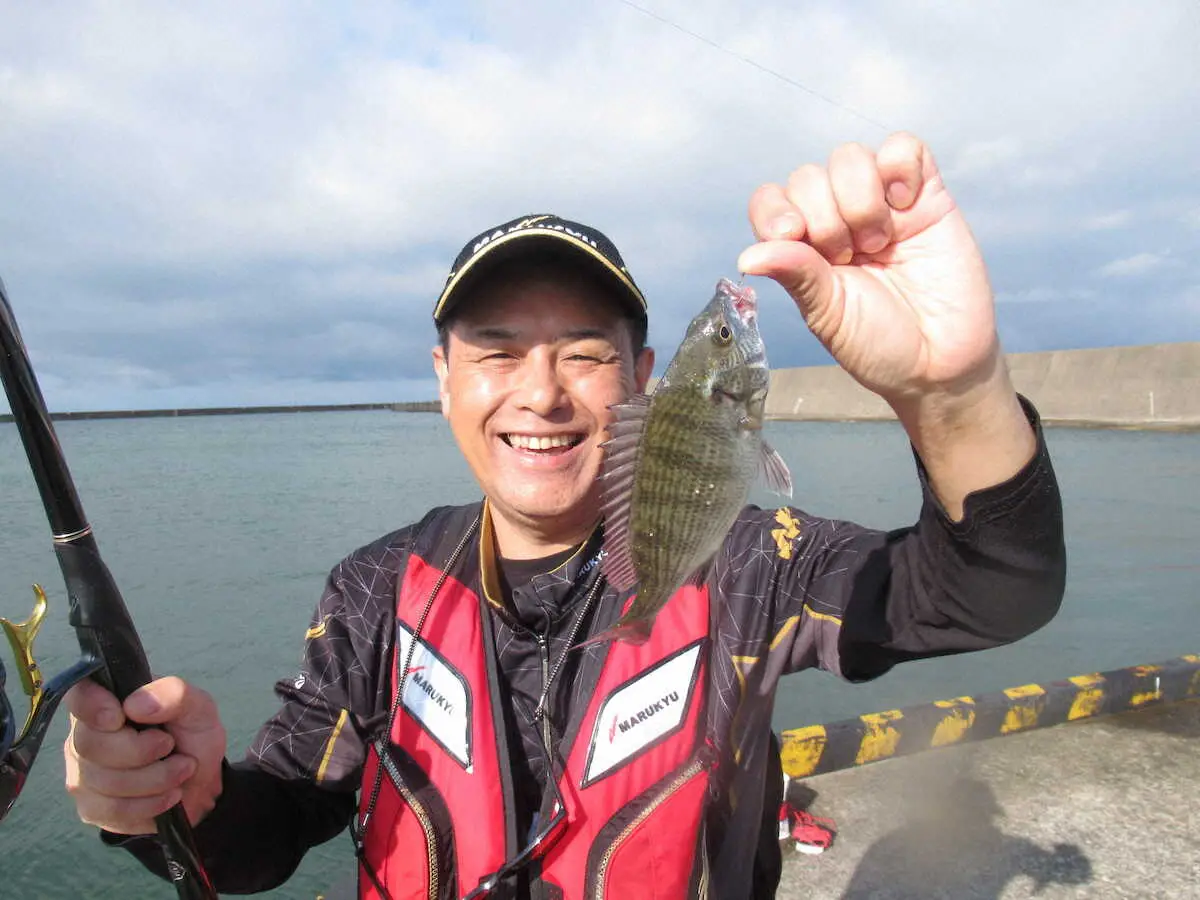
(446, 711)
(532, 355)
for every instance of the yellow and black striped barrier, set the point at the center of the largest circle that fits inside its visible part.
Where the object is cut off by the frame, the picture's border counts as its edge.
(816, 749)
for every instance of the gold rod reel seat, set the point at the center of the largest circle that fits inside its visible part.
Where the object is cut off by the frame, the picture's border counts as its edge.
(19, 749)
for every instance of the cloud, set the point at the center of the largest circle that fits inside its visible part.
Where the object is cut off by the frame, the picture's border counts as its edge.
(1137, 265)
(1045, 294)
(1107, 221)
(211, 205)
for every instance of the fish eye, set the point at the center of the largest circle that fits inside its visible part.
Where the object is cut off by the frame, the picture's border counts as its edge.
(724, 335)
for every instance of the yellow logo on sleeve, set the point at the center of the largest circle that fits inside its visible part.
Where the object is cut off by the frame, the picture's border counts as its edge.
(788, 532)
(317, 630)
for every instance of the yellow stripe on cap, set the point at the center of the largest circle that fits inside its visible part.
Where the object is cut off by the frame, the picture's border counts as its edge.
(620, 274)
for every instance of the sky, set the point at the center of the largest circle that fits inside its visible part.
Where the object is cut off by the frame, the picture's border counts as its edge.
(253, 203)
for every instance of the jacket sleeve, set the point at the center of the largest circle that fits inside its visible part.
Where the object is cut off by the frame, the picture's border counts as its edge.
(296, 786)
(856, 601)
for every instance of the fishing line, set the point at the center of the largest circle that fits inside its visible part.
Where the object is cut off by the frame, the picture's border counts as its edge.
(750, 62)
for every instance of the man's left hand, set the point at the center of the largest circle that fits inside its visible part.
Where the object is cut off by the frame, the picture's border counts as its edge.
(880, 261)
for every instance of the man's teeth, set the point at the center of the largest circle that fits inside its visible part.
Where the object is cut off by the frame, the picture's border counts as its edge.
(533, 442)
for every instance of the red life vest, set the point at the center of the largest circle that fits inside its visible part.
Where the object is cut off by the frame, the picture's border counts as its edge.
(634, 782)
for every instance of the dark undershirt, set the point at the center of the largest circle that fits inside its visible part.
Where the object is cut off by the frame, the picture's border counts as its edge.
(528, 770)
(517, 572)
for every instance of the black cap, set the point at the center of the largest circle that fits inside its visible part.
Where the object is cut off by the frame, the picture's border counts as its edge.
(539, 232)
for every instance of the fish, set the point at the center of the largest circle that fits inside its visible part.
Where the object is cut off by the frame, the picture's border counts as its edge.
(679, 462)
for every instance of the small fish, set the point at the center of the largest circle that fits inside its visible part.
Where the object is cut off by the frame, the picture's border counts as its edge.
(679, 462)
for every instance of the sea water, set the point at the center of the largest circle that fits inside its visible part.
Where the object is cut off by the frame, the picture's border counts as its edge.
(220, 532)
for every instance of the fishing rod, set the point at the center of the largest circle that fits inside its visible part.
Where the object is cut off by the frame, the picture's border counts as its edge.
(112, 653)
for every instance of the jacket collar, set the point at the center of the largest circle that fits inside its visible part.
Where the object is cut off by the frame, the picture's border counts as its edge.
(551, 586)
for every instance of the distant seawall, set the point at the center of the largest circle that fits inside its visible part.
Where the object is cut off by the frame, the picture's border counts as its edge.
(1149, 386)
(417, 406)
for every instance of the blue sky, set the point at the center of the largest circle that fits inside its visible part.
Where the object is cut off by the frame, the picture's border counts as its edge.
(255, 203)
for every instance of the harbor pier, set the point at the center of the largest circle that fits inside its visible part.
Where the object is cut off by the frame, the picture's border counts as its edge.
(1102, 806)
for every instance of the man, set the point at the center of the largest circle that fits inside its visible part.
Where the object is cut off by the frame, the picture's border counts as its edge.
(438, 678)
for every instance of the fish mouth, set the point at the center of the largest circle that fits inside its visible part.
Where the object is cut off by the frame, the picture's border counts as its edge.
(743, 299)
(542, 443)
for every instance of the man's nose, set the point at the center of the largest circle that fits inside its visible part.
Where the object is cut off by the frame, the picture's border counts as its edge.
(541, 390)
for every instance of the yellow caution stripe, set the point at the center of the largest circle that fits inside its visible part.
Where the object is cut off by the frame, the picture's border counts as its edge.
(815, 749)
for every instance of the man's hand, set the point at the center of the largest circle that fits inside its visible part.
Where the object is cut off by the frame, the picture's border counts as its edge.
(882, 265)
(122, 778)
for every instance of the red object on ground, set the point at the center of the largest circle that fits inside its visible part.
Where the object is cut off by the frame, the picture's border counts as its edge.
(812, 834)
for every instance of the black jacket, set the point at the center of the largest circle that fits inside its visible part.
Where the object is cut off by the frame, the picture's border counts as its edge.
(791, 591)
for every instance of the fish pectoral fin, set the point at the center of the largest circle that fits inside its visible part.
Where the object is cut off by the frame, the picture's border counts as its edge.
(616, 477)
(635, 631)
(700, 575)
(774, 471)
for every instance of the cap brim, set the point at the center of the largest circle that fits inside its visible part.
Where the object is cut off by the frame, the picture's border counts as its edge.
(514, 244)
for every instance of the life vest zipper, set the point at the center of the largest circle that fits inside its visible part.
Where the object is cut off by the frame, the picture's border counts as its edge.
(422, 815)
(544, 646)
(665, 794)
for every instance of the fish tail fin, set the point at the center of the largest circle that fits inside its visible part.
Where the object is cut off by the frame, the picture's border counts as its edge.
(635, 631)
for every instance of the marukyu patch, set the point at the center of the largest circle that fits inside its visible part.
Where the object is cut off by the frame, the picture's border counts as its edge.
(436, 695)
(641, 712)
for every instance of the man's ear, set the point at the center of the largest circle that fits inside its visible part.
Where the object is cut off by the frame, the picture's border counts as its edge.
(441, 368)
(643, 368)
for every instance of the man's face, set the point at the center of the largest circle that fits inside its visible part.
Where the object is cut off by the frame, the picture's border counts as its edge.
(533, 365)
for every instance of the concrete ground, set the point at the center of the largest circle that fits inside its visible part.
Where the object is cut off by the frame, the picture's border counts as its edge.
(1107, 808)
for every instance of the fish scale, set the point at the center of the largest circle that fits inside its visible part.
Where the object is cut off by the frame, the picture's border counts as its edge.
(666, 502)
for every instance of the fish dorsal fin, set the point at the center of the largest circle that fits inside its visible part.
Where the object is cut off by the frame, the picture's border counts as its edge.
(774, 471)
(620, 464)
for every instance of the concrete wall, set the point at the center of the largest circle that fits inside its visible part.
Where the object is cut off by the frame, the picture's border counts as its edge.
(1156, 385)
(413, 406)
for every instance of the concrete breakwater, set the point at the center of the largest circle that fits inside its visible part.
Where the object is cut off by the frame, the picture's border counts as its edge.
(1147, 386)
(415, 406)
